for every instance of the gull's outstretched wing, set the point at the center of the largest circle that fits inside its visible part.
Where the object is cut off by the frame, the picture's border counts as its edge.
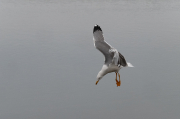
(111, 55)
(102, 45)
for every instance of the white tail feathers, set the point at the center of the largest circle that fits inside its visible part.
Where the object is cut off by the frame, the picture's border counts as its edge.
(129, 64)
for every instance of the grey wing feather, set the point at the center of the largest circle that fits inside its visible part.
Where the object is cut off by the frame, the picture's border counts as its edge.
(102, 45)
(104, 48)
(122, 61)
(111, 55)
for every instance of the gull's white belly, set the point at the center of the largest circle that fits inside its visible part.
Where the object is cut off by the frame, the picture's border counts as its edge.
(113, 68)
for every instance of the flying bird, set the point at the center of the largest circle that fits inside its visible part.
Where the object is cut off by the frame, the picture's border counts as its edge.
(114, 60)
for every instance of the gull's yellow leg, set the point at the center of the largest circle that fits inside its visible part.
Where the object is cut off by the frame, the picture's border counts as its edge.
(119, 79)
(116, 77)
(117, 82)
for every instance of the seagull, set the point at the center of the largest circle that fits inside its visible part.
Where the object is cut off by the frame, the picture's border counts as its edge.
(114, 60)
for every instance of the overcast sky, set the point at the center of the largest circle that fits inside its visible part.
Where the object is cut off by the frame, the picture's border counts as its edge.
(48, 63)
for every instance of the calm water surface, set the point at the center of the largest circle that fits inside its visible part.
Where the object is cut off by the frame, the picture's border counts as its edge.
(48, 63)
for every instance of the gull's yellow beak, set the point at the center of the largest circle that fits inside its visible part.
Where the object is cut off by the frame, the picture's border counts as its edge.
(97, 82)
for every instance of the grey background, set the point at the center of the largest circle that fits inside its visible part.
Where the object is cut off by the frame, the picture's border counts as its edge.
(48, 64)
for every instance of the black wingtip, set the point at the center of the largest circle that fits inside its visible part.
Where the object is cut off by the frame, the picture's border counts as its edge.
(96, 28)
